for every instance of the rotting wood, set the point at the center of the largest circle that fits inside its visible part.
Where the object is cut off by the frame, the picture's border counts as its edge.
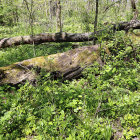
(66, 65)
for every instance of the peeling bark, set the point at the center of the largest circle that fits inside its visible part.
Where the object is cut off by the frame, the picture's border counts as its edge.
(66, 65)
(67, 37)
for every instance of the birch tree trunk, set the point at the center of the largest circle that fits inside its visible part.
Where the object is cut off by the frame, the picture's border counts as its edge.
(67, 37)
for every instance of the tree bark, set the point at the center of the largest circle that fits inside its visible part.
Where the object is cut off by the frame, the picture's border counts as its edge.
(66, 65)
(96, 20)
(58, 16)
(134, 9)
(67, 37)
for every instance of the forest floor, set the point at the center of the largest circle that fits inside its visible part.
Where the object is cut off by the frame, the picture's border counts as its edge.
(102, 104)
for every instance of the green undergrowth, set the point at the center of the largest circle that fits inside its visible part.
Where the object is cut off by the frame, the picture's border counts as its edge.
(101, 105)
(23, 52)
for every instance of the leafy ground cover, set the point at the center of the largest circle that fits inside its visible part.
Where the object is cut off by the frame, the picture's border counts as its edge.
(103, 104)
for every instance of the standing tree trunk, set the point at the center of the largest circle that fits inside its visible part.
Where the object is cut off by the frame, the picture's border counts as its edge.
(96, 20)
(46, 10)
(58, 16)
(50, 9)
(1, 15)
(134, 9)
(29, 7)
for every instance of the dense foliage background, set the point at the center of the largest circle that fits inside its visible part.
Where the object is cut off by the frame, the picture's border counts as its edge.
(103, 104)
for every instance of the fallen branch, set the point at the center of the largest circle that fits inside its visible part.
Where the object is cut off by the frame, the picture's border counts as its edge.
(67, 37)
(66, 65)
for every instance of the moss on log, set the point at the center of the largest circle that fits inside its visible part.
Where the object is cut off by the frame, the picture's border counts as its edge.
(68, 65)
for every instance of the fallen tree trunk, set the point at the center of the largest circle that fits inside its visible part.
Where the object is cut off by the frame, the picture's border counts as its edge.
(67, 37)
(67, 65)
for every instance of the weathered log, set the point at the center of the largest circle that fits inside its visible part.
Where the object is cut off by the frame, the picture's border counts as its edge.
(67, 37)
(66, 65)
